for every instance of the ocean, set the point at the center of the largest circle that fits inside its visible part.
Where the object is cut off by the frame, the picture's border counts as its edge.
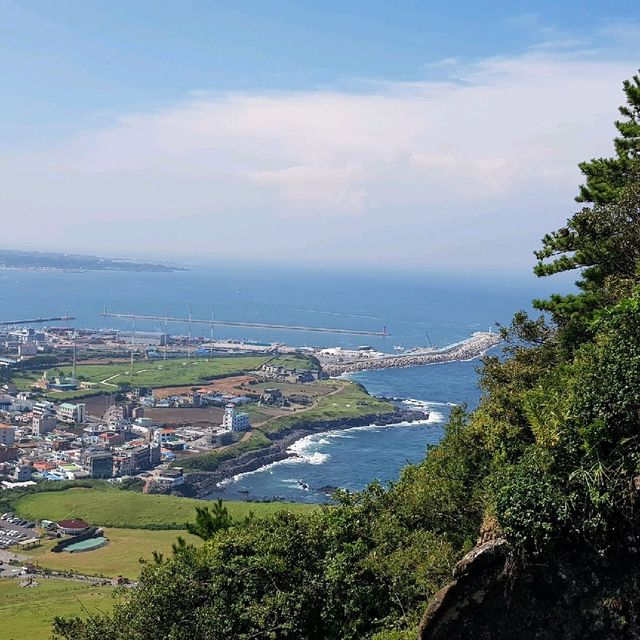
(415, 308)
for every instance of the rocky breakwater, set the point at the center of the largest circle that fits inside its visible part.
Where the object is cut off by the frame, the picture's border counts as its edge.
(203, 484)
(477, 345)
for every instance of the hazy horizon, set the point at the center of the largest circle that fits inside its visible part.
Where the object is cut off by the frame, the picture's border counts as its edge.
(350, 137)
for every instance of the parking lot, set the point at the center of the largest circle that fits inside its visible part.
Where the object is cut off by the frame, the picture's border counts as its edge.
(14, 530)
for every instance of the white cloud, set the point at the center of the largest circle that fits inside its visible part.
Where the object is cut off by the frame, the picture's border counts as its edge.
(428, 172)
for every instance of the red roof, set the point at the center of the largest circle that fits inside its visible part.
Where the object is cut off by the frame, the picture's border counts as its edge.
(73, 524)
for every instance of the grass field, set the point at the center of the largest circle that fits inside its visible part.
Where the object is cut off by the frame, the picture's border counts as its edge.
(120, 557)
(127, 509)
(150, 373)
(346, 401)
(210, 461)
(293, 361)
(27, 613)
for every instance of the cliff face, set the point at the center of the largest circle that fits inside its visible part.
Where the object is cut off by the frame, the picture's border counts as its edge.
(576, 596)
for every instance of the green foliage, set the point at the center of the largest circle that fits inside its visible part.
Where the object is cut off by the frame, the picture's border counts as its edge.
(209, 522)
(606, 177)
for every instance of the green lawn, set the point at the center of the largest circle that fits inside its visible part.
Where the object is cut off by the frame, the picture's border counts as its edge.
(26, 613)
(293, 361)
(119, 557)
(112, 507)
(150, 373)
(350, 401)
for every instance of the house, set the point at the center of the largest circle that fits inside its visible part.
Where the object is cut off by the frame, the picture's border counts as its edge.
(171, 477)
(273, 398)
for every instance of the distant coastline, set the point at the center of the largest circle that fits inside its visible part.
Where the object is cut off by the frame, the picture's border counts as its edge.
(75, 263)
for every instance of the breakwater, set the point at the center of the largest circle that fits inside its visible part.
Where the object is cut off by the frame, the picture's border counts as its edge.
(204, 484)
(477, 345)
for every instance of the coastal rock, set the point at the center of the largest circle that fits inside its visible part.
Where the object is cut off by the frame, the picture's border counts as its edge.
(203, 484)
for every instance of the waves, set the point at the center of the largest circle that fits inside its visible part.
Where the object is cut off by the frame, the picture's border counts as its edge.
(317, 449)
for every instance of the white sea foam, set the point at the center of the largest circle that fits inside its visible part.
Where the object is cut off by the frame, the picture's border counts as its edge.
(305, 450)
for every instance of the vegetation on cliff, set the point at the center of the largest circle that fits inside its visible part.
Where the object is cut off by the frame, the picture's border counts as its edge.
(549, 460)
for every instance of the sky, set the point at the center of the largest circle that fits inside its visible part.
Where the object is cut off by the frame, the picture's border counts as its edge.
(408, 134)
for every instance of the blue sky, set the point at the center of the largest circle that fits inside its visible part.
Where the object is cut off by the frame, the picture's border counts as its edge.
(339, 122)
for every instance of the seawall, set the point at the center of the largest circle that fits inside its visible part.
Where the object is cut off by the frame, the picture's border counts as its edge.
(477, 345)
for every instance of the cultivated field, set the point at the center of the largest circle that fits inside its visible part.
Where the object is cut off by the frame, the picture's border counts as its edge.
(26, 613)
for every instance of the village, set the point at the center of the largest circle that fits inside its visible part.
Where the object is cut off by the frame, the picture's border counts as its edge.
(89, 419)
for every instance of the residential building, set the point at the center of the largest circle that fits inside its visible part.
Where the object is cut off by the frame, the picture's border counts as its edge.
(7, 435)
(235, 421)
(8, 453)
(43, 408)
(71, 413)
(99, 464)
(111, 439)
(22, 473)
(43, 424)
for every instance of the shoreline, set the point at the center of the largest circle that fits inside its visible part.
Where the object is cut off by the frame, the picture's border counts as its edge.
(203, 484)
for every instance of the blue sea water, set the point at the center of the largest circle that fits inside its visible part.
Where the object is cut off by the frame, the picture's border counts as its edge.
(416, 308)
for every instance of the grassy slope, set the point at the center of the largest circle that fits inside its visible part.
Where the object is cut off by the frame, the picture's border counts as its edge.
(210, 461)
(127, 509)
(119, 557)
(351, 401)
(27, 613)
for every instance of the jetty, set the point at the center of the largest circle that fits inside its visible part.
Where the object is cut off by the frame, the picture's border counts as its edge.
(473, 347)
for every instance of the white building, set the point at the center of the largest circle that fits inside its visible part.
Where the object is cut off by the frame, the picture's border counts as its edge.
(71, 413)
(43, 408)
(234, 421)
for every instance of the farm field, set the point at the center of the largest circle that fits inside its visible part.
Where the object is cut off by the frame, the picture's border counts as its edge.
(119, 557)
(127, 509)
(26, 613)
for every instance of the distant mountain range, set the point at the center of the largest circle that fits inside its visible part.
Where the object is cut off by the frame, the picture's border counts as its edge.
(73, 262)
